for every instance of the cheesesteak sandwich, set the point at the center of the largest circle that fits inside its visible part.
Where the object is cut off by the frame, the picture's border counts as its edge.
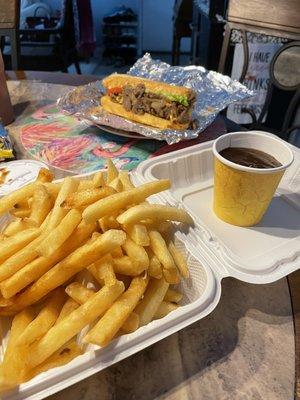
(149, 102)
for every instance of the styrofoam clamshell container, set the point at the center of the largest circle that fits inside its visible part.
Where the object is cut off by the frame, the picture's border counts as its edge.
(213, 249)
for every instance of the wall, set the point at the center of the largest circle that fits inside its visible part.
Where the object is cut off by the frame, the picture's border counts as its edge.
(101, 8)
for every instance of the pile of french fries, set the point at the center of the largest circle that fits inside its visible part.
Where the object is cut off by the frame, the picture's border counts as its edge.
(80, 254)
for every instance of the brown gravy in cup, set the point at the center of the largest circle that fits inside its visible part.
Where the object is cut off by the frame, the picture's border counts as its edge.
(250, 157)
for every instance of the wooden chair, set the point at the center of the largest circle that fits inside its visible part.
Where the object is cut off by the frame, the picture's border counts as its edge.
(9, 27)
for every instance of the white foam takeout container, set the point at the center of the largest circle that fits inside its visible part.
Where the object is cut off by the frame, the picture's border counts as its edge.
(214, 250)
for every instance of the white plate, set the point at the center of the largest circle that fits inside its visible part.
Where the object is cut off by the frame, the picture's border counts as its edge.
(21, 172)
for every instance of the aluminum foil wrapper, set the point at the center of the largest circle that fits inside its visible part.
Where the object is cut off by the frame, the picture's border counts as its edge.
(214, 93)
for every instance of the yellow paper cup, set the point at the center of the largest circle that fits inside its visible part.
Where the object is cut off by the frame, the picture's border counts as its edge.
(243, 194)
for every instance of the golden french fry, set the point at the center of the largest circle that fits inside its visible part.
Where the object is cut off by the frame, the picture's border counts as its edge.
(65, 269)
(111, 322)
(136, 252)
(108, 222)
(36, 268)
(159, 248)
(155, 268)
(4, 303)
(12, 244)
(45, 175)
(116, 184)
(98, 179)
(14, 356)
(103, 270)
(180, 261)
(173, 296)
(67, 328)
(112, 171)
(19, 259)
(154, 295)
(15, 226)
(125, 179)
(164, 309)
(79, 293)
(53, 188)
(154, 211)
(44, 320)
(120, 200)
(9, 201)
(85, 184)
(61, 357)
(117, 252)
(60, 233)
(127, 266)
(138, 233)
(20, 213)
(69, 306)
(69, 186)
(131, 324)
(41, 205)
(86, 197)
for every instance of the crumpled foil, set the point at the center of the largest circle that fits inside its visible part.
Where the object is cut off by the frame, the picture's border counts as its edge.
(214, 93)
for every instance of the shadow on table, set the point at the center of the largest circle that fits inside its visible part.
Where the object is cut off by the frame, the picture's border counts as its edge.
(182, 357)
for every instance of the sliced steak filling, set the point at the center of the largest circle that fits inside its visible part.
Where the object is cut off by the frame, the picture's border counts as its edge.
(139, 101)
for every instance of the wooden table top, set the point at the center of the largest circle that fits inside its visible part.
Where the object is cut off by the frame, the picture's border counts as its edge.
(243, 350)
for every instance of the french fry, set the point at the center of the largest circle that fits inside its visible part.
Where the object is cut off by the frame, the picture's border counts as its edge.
(61, 357)
(151, 301)
(136, 252)
(79, 292)
(85, 197)
(117, 252)
(131, 324)
(173, 296)
(45, 175)
(116, 184)
(53, 188)
(20, 213)
(111, 322)
(180, 261)
(164, 309)
(138, 233)
(120, 200)
(127, 266)
(14, 356)
(108, 222)
(69, 306)
(60, 233)
(154, 211)
(98, 179)
(9, 201)
(69, 186)
(112, 171)
(103, 270)
(62, 332)
(44, 320)
(85, 184)
(125, 179)
(36, 268)
(65, 269)
(12, 244)
(41, 205)
(19, 259)
(155, 268)
(15, 226)
(159, 248)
